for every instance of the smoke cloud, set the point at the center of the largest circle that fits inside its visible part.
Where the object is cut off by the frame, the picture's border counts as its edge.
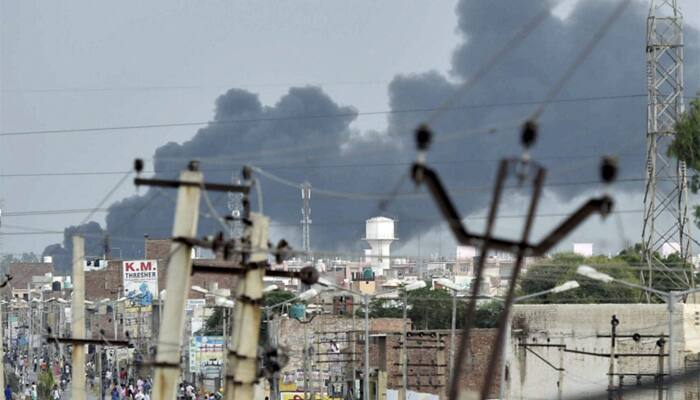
(306, 136)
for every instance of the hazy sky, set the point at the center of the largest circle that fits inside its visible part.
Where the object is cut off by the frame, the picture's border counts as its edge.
(88, 64)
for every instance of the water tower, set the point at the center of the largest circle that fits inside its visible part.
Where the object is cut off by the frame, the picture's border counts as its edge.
(379, 233)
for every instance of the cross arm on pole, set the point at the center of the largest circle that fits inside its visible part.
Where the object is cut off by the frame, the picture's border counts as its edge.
(174, 184)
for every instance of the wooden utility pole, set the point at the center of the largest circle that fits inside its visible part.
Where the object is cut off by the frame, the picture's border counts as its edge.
(78, 316)
(241, 363)
(167, 368)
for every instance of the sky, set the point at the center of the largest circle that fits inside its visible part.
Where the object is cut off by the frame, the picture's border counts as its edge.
(91, 64)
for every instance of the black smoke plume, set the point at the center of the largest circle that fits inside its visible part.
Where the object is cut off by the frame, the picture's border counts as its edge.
(306, 136)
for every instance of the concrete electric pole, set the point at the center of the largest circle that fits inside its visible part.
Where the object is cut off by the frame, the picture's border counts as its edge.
(242, 357)
(78, 314)
(167, 369)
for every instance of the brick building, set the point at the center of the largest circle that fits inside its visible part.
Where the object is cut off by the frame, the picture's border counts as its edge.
(335, 344)
(107, 283)
(22, 273)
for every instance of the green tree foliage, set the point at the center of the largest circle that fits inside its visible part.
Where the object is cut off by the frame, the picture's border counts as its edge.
(432, 309)
(562, 267)
(270, 299)
(487, 314)
(276, 297)
(686, 146)
(214, 326)
(45, 383)
(626, 266)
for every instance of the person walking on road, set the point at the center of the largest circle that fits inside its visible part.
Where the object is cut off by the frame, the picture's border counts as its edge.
(55, 393)
(8, 393)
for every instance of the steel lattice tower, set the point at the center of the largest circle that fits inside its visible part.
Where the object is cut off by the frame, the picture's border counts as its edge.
(306, 217)
(666, 196)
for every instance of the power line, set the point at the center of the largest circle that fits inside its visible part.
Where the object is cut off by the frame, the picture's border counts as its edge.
(148, 88)
(311, 117)
(341, 222)
(287, 166)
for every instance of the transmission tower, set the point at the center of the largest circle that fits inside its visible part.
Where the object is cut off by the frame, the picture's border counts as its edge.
(235, 207)
(666, 195)
(306, 217)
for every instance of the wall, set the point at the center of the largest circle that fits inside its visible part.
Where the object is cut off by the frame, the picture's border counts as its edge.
(22, 273)
(582, 328)
(428, 352)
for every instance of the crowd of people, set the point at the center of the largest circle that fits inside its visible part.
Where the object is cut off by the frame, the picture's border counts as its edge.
(187, 391)
(27, 368)
(118, 384)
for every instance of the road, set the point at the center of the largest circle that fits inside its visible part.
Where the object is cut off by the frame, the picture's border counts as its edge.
(32, 377)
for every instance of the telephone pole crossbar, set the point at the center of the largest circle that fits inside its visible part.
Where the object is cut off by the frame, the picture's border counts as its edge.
(526, 171)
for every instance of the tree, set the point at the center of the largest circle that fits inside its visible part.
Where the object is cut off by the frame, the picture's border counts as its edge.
(562, 267)
(45, 384)
(270, 299)
(276, 297)
(8, 259)
(214, 326)
(432, 309)
(686, 146)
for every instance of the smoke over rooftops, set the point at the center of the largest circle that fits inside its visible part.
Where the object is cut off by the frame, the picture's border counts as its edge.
(306, 136)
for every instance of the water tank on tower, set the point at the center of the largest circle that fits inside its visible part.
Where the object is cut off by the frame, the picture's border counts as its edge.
(379, 234)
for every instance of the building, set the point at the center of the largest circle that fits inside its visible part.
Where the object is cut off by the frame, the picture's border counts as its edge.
(107, 283)
(336, 362)
(583, 249)
(23, 277)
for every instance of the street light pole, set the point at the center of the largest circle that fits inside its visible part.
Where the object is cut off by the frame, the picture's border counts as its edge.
(366, 377)
(670, 303)
(404, 358)
(453, 330)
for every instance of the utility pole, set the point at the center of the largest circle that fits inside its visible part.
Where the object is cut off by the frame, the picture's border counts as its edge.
(30, 311)
(404, 356)
(661, 343)
(666, 195)
(354, 349)
(365, 395)
(167, 368)
(242, 358)
(78, 315)
(2, 352)
(614, 322)
(306, 356)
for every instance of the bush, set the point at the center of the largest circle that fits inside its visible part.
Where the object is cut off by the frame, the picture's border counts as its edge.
(45, 384)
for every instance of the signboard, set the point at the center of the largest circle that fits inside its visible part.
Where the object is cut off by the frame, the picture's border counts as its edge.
(140, 283)
(300, 396)
(206, 354)
(195, 303)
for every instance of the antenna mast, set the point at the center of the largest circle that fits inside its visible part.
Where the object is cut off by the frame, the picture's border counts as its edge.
(306, 217)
